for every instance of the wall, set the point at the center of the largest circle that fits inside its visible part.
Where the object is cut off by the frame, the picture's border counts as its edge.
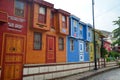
(91, 47)
(52, 71)
(15, 25)
(86, 53)
(72, 56)
(39, 56)
(43, 72)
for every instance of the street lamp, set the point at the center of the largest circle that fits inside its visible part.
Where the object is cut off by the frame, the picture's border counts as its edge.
(95, 60)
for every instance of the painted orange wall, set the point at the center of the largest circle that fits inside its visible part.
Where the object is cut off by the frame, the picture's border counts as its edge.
(39, 56)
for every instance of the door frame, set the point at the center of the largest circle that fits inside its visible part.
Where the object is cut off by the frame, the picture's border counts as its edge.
(3, 50)
(54, 47)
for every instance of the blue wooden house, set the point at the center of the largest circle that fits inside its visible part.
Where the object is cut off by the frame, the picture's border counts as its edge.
(88, 38)
(75, 43)
(82, 37)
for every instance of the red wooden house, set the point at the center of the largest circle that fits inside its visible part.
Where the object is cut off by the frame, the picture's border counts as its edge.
(31, 32)
(13, 31)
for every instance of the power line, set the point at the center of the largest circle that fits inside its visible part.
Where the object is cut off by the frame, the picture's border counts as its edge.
(107, 11)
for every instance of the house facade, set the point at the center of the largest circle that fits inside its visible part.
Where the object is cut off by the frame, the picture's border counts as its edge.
(31, 32)
(13, 31)
(91, 44)
(47, 36)
(88, 38)
(38, 40)
(72, 40)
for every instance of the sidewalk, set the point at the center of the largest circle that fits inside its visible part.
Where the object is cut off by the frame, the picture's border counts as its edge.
(83, 76)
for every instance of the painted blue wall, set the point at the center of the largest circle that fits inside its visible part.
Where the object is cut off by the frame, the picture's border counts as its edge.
(84, 30)
(86, 53)
(80, 33)
(72, 56)
(89, 33)
(74, 26)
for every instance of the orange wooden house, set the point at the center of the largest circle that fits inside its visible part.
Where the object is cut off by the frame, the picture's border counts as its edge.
(31, 32)
(46, 34)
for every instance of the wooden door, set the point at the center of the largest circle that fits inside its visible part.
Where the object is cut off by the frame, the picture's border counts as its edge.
(12, 66)
(50, 51)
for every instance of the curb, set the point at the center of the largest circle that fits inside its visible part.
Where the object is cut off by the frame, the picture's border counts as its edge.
(97, 72)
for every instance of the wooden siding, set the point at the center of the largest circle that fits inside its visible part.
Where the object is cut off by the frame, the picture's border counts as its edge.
(15, 25)
(39, 56)
(72, 30)
(60, 29)
(91, 47)
(86, 53)
(72, 55)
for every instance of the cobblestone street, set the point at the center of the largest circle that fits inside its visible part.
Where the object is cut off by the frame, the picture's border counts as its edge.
(110, 75)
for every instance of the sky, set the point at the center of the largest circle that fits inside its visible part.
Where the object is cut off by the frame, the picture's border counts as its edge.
(106, 11)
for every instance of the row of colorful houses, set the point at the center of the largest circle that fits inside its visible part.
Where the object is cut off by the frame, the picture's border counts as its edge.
(79, 38)
(34, 32)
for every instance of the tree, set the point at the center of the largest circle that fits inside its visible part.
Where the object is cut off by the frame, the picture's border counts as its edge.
(116, 32)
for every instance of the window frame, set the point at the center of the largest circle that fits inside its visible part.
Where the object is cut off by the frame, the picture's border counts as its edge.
(40, 41)
(61, 43)
(87, 47)
(42, 17)
(81, 31)
(52, 20)
(15, 8)
(74, 23)
(71, 45)
(64, 21)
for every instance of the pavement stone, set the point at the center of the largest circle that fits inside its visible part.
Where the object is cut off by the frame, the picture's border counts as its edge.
(85, 75)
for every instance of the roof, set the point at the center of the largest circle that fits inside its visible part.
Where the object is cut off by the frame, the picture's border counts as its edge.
(75, 17)
(42, 2)
(63, 12)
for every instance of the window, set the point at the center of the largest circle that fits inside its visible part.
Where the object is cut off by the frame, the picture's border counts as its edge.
(81, 47)
(37, 41)
(81, 31)
(19, 8)
(75, 23)
(88, 34)
(64, 21)
(71, 44)
(75, 29)
(42, 15)
(61, 43)
(91, 48)
(87, 47)
(52, 20)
